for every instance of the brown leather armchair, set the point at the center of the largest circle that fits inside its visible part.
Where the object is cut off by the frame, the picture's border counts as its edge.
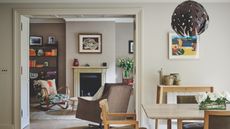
(118, 99)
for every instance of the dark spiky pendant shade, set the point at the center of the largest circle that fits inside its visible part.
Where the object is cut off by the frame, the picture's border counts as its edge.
(189, 19)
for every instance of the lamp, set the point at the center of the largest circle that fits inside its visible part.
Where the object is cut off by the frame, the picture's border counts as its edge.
(189, 19)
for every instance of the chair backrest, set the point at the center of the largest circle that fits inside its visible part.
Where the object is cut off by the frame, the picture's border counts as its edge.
(107, 86)
(186, 99)
(118, 98)
(217, 120)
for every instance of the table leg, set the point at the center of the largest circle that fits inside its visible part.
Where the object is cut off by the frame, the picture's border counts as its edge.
(156, 123)
(169, 124)
(179, 124)
(73, 104)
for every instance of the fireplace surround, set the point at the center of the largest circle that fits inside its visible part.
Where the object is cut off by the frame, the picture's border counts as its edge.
(91, 73)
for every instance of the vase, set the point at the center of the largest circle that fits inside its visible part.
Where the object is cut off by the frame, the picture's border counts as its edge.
(75, 62)
(127, 78)
(127, 81)
(212, 106)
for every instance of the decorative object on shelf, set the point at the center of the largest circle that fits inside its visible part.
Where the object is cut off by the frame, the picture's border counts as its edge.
(33, 75)
(35, 40)
(46, 63)
(90, 43)
(75, 62)
(104, 64)
(40, 52)
(32, 52)
(183, 47)
(87, 65)
(127, 64)
(177, 79)
(131, 47)
(54, 52)
(213, 101)
(189, 19)
(51, 74)
(51, 40)
(161, 77)
(32, 63)
(168, 79)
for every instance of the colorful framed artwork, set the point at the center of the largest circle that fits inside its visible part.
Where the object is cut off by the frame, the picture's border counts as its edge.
(131, 47)
(181, 47)
(90, 43)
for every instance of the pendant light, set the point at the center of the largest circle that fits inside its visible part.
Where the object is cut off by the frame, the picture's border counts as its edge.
(189, 19)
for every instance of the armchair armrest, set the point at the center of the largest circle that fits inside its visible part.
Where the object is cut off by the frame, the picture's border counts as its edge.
(129, 115)
(44, 94)
(64, 89)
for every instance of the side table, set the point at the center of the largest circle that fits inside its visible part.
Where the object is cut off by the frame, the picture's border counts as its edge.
(73, 102)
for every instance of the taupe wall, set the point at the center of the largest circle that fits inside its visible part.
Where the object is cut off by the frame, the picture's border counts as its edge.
(57, 30)
(107, 29)
(124, 33)
(212, 67)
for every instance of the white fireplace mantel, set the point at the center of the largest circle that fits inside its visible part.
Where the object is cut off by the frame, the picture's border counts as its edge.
(86, 69)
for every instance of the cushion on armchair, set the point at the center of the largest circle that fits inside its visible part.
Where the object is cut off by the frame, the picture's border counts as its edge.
(50, 85)
(55, 98)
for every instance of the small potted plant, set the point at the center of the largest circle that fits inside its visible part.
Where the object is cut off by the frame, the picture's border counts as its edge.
(127, 65)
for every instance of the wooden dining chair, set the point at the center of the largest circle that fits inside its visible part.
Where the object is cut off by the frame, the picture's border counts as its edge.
(217, 119)
(182, 124)
(109, 118)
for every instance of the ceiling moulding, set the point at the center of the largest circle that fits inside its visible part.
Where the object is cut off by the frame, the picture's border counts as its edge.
(117, 20)
(108, 1)
(47, 20)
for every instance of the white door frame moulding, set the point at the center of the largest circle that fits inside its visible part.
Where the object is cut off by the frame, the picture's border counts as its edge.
(137, 12)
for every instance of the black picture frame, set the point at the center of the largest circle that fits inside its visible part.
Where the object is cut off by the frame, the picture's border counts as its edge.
(36, 40)
(90, 43)
(131, 46)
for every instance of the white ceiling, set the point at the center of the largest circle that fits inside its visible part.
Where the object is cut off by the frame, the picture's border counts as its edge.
(110, 1)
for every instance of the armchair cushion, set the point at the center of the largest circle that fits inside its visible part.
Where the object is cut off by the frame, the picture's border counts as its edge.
(50, 85)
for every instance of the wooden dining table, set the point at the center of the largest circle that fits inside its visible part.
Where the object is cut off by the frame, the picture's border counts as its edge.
(175, 111)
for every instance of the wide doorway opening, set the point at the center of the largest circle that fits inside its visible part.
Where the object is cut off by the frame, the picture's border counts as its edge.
(135, 13)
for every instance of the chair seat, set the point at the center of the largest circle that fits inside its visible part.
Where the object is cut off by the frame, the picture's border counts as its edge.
(55, 98)
(193, 125)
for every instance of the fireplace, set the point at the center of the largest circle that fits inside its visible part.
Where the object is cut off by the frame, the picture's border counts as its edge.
(89, 83)
(87, 80)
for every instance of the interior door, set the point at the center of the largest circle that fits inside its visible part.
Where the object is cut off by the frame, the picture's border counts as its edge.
(24, 72)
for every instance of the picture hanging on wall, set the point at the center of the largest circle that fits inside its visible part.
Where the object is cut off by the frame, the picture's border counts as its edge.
(36, 40)
(90, 43)
(131, 47)
(183, 47)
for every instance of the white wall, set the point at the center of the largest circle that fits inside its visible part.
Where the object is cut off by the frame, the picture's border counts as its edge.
(107, 29)
(124, 33)
(212, 67)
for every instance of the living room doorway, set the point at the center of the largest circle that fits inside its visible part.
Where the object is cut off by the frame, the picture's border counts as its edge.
(25, 12)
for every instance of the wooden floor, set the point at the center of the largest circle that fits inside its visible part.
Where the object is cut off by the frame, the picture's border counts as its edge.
(57, 124)
(63, 124)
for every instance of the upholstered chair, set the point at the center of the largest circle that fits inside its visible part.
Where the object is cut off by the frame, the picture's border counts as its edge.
(118, 99)
(50, 96)
(189, 99)
(217, 119)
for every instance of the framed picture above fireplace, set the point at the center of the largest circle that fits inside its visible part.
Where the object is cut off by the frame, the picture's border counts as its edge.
(90, 43)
